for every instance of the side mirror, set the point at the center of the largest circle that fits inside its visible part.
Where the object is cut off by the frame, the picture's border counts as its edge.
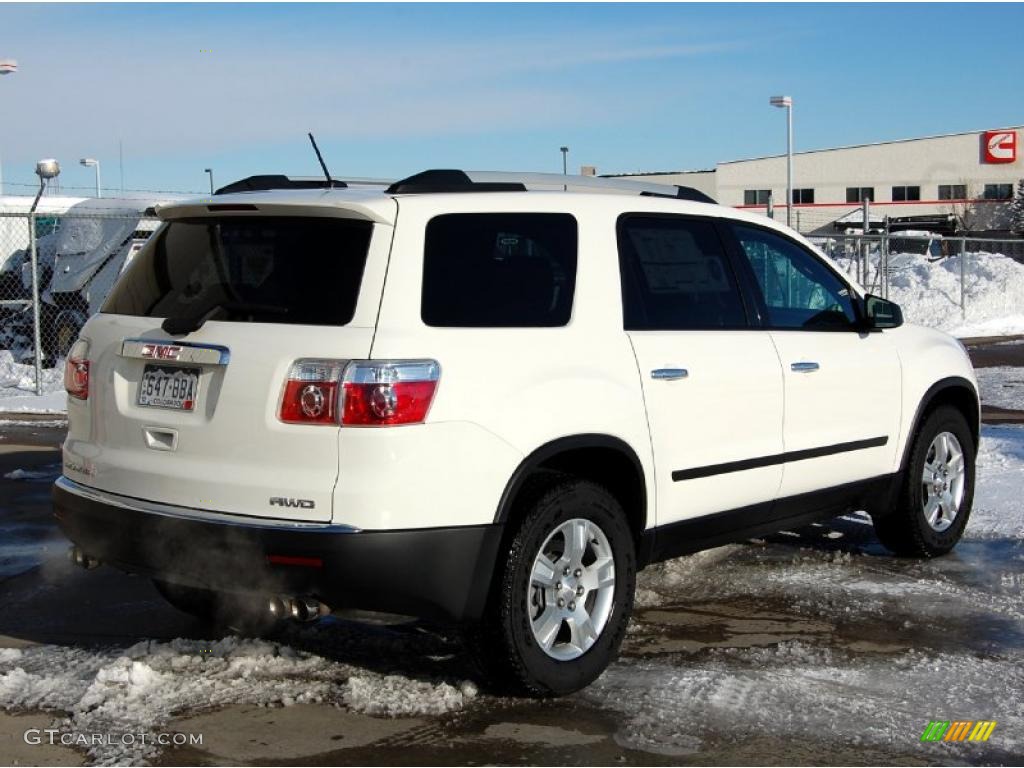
(881, 313)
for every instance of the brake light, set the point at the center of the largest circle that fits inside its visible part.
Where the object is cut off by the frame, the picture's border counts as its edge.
(76, 371)
(311, 392)
(379, 393)
(363, 393)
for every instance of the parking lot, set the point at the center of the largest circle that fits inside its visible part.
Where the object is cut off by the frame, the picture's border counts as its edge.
(811, 646)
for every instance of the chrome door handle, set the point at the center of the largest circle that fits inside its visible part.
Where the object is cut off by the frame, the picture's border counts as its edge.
(669, 374)
(804, 367)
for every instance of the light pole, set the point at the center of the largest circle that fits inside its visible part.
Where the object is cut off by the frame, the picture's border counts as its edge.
(90, 162)
(565, 160)
(210, 172)
(7, 67)
(787, 102)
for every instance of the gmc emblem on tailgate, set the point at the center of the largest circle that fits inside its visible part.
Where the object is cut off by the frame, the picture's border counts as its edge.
(281, 501)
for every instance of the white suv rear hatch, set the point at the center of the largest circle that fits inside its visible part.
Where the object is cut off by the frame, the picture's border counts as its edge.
(192, 419)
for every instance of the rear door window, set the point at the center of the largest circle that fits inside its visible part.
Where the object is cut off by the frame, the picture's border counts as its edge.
(290, 270)
(676, 276)
(495, 270)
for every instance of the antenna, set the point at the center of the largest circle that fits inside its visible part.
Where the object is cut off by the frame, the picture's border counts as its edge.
(320, 157)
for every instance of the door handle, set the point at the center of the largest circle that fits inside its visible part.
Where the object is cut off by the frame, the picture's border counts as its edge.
(669, 374)
(804, 367)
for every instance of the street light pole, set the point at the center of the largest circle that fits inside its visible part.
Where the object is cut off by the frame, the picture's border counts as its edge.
(787, 102)
(7, 67)
(210, 172)
(90, 162)
(565, 161)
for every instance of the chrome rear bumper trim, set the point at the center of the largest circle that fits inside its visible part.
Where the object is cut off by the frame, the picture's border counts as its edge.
(199, 515)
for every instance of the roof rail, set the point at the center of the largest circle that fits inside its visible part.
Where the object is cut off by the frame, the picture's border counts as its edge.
(497, 181)
(265, 182)
(449, 181)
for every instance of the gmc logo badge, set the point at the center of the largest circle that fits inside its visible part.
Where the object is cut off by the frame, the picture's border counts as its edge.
(161, 351)
(281, 501)
(999, 146)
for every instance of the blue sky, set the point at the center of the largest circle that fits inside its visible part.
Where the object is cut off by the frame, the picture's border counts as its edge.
(393, 89)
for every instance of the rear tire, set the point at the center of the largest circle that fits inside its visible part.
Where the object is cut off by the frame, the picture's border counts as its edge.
(936, 491)
(242, 613)
(564, 595)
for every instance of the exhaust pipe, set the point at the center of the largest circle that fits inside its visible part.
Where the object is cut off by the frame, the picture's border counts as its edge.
(303, 609)
(82, 560)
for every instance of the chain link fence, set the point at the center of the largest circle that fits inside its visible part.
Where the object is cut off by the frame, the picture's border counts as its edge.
(55, 272)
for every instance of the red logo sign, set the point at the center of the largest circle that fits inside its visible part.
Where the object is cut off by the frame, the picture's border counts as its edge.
(999, 146)
(161, 351)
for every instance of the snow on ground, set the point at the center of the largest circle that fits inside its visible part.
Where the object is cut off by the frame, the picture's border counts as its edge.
(1001, 386)
(999, 493)
(17, 388)
(929, 293)
(138, 689)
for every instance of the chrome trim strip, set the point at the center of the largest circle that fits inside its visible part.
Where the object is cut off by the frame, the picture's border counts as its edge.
(211, 354)
(197, 515)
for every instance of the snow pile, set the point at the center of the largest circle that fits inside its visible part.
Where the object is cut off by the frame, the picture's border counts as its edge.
(139, 689)
(929, 293)
(18, 386)
(47, 474)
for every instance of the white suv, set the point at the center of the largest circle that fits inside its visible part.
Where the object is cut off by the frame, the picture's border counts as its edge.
(490, 400)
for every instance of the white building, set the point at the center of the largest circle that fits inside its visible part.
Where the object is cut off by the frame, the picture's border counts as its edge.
(961, 180)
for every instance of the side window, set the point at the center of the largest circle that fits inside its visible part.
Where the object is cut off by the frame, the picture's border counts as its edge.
(499, 270)
(799, 291)
(675, 276)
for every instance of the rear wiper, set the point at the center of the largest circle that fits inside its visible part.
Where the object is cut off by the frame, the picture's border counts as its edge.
(176, 326)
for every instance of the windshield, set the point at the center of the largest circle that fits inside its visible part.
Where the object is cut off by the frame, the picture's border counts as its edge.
(303, 271)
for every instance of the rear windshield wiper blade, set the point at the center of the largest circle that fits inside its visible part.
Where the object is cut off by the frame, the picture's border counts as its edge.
(176, 326)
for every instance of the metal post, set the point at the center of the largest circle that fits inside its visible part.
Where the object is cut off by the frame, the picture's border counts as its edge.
(789, 164)
(34, 261)
(963, 278)
(770, 206)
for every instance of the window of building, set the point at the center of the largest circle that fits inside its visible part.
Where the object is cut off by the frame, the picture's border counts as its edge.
(900, 194)
(859, 194)
(803, 196)
(756, 196)
(952, 191)
(998, 191)
(676, 276)
(799, 291)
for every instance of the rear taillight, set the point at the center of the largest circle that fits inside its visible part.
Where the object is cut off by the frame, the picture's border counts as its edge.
(311, 392)
(379, 393)
(76, 371)
(365, 393)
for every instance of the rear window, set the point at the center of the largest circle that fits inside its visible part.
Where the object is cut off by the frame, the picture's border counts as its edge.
(499, 270)
(300, 271)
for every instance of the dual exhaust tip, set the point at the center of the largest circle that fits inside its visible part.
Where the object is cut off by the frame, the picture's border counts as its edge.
(280, 607)
(303, 609)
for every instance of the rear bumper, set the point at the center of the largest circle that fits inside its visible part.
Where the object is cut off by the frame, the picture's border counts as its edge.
(436, 573)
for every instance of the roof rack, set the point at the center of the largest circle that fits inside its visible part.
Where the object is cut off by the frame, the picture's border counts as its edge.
(496, 181)
(264, 182)
(450, 181)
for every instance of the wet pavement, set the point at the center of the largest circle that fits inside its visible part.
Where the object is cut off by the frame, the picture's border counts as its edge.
(811, 646)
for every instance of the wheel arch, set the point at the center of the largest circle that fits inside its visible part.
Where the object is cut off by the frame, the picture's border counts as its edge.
(955, 391)
(603, 459)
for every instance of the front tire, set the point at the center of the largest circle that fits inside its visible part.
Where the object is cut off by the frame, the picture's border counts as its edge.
(564, 595)
(936, 492)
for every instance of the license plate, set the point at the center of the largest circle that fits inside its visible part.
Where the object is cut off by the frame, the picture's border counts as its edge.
(168, 386)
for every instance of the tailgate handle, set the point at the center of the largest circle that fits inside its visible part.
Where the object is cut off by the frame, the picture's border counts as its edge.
(160, 439)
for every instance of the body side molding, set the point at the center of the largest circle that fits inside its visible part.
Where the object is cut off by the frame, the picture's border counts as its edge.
(778, 458)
